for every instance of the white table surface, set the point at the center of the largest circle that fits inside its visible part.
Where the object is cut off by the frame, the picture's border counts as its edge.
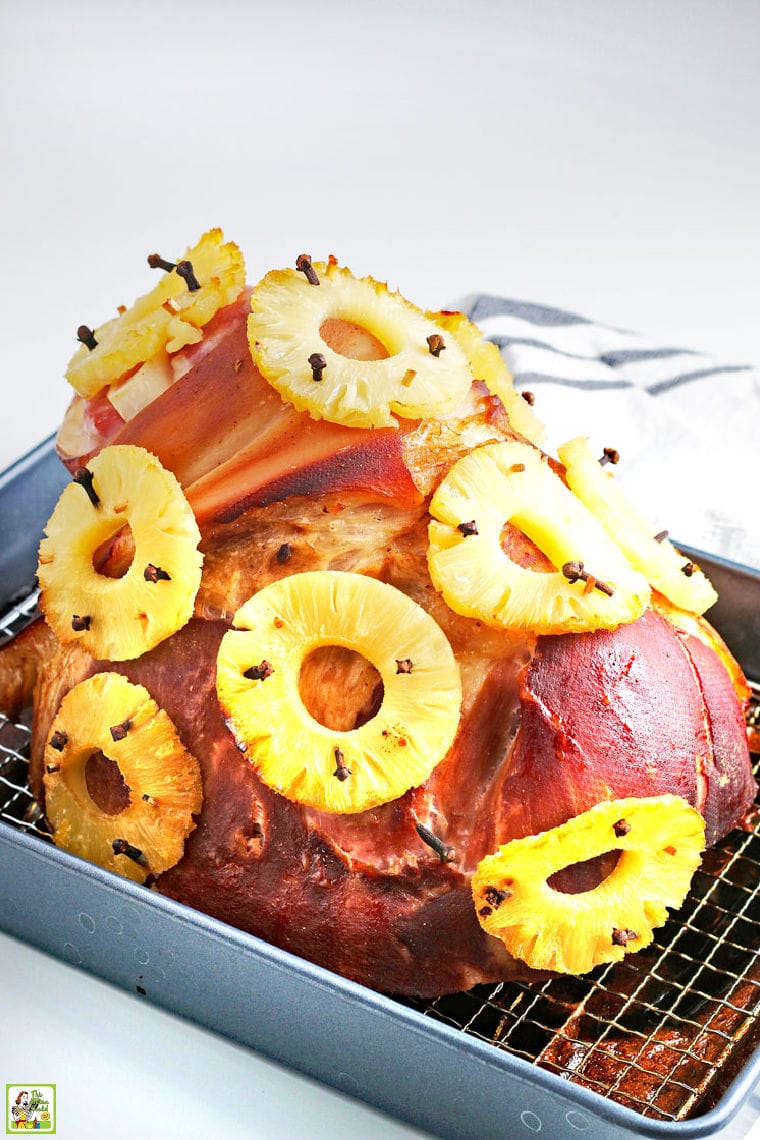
(597, 156)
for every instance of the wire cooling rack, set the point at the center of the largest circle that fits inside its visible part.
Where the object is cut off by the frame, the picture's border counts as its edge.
(662, 1032)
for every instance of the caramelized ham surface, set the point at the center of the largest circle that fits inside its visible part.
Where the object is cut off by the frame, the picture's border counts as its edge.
(234, 443)
(549, 727)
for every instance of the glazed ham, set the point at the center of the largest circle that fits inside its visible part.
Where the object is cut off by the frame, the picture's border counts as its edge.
(232, 442)
(549, 727)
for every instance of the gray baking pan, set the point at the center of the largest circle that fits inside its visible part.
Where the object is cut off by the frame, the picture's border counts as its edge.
(663, 1044)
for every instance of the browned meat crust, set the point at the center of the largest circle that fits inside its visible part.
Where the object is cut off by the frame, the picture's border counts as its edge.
(547, 730)
(20, 664)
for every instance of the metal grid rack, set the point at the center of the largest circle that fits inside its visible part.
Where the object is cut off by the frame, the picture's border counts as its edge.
(662, 1032)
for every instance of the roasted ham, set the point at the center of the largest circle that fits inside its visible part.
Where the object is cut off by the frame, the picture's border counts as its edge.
(549, 726)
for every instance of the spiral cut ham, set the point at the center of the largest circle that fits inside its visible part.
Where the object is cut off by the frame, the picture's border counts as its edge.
(549, 726)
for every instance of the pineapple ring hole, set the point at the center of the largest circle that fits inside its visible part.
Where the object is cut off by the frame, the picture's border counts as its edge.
(114, 556)
(105, 784)
(351, 340)
(523, 551)
(586, 875)
(339, 687)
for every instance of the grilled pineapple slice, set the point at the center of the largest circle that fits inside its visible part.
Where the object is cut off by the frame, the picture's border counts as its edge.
(106, 720)
(168, 317)
(488, 365)
(285, 327)
(258, 672)
(502, 483)
(119, 618)
(666, 568)
(659, 840)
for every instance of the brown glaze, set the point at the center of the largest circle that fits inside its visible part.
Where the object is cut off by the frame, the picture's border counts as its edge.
(548, 727)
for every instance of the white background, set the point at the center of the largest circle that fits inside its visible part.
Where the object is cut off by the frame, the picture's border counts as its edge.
(598, 156)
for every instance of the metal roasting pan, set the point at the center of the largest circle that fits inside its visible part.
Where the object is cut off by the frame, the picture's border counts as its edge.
(664, 1044)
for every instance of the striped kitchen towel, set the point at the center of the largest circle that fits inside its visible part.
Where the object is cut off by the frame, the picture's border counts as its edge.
(686, 426)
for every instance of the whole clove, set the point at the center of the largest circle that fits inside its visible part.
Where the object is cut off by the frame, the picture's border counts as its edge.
(155, 261)
(446, 853)
(495, 897)
(185, 271)
(84, 477)
(119, 731)
(576, 571)
(623, 937)
(153, 573)
(341, 771)
(318, 365)
(303, 265)
(121, 847)
(87, 337)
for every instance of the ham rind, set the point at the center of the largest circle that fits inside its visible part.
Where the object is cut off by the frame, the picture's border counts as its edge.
(90, 424)
(303, 457)
(87, 427)
(233, 442)
(218, 407)
(606, 715)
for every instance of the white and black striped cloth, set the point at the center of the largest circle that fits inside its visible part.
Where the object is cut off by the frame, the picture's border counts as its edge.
(686, 426)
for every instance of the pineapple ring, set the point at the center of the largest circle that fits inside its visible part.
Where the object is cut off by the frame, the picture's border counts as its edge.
(666, 569)
(168, 317)
(284, 330)
(120, 618)
(107, 713)
(488, 365)
(338, 771)
(511, 482)
(660, 840)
